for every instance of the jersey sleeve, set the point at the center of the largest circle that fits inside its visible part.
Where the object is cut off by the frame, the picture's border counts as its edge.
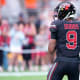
(53, 30)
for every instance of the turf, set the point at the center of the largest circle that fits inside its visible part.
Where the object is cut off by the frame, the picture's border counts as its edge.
(26, 78)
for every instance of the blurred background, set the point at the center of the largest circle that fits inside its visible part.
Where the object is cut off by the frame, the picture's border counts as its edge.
(24, 35)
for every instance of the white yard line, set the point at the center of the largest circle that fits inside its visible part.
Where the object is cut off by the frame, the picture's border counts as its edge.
(23, 73)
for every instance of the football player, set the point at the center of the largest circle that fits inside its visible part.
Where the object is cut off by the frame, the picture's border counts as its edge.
(65, 39)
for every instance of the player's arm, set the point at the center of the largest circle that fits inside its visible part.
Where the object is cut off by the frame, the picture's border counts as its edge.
(52, 42)
(52, 46)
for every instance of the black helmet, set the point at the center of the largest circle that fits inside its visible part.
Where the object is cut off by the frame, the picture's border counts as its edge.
(66, 10)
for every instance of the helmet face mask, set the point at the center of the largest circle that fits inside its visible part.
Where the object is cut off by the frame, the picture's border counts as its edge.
(66, 10)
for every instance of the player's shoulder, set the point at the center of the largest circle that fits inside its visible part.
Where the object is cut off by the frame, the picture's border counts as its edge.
(56, 23)
(77, 22)
(53, 25)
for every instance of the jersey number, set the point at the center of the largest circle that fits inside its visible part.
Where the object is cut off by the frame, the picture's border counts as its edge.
(72, 41)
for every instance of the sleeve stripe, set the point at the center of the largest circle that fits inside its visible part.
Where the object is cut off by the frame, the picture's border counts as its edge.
(52, 26)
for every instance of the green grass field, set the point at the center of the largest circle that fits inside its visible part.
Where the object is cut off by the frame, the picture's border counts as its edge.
(26, 78)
